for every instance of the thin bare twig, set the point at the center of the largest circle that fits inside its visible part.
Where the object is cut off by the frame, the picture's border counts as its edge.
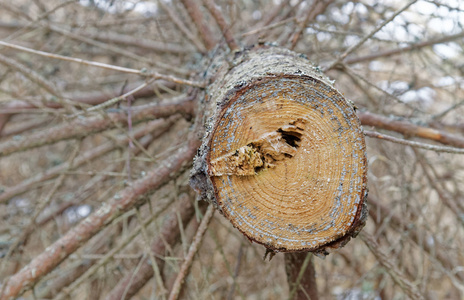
(220, 20)
(317, 8)
(31, 24)
(72, 273)
(81, 127)
(41, 204)
(83, 99)
(410, 129)
(393, 139)
(191, 253)
(274, 13)
(436, 251)
(80, 101)
(412, 47)
(104, 46)
(150, 262)
(30, 74)
(454, 206)
(230, 295)
(355, 77)
(108, 38)
(268, 27)
(121, 202)
(446, 111)
(180, 25)
(24, 126)
(368, 36)
(408, 287)
(168, 235)
(139, 43)
(92, 269)
(115, 100)
(144, 72)
(198, 18)
(155, 128)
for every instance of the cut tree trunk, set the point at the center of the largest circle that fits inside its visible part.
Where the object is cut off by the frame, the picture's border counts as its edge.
(283, 157)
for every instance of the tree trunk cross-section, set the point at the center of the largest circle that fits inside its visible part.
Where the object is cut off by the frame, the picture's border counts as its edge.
(283, 157)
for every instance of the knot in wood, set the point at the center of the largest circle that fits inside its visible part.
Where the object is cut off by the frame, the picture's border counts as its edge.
(284, 159)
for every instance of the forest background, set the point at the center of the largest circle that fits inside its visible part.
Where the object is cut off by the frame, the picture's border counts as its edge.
(96, 119)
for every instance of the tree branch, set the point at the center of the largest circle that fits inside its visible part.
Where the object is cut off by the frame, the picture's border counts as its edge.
(435, 251)
(144, 73)
(156, 128)
(121, 202)
(301, 276)
(81, 127)
(30, 74)
(368, 36)
(410, 129)
(411, 47)
(198, 18)
(393, 139)
(318, 7)
(176, 288)
(138, 42)
(92, 269)
(169, 233)
(408, 287)
(180, 25)
(220, 20)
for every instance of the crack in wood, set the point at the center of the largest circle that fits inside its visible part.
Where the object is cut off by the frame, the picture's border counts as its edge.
(262, 153)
